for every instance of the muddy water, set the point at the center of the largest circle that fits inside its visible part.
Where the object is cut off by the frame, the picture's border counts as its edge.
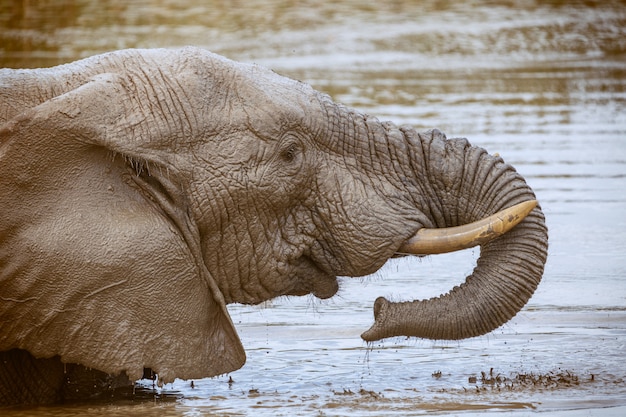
(543, 84)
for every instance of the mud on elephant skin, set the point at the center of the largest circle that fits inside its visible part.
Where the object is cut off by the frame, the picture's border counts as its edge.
(141, 191)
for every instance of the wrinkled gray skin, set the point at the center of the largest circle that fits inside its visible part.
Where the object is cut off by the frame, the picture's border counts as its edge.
(143, 190)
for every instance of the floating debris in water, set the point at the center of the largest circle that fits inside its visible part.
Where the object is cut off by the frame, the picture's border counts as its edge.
(519, 381)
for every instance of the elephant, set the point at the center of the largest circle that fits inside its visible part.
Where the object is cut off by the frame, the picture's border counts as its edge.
(144, 190)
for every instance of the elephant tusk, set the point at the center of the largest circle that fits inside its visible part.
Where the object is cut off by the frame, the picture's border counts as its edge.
(450, 239)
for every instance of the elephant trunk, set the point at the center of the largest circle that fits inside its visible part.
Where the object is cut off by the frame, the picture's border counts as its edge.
(468, 185)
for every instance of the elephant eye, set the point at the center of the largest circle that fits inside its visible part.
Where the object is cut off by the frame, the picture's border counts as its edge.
(290, 153)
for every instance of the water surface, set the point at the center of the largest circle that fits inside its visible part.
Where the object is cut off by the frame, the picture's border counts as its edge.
(542, 84)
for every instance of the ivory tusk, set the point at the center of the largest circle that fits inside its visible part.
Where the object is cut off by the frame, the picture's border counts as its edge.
(450, 239)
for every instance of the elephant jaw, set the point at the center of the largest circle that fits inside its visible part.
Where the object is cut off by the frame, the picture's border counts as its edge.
(450, 239)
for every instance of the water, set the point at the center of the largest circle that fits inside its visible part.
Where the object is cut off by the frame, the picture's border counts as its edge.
(543, 84)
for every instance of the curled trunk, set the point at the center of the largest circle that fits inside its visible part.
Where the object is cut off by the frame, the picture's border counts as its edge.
(469, 185)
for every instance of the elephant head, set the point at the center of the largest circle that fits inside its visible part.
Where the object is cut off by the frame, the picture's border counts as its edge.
(143, 190)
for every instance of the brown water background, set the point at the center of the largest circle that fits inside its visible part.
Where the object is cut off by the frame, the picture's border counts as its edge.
(541, 83)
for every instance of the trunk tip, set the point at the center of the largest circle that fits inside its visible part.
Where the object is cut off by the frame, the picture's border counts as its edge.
(376, 332)
(379, 305)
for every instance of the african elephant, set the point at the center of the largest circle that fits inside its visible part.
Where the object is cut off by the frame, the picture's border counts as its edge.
(142, 191)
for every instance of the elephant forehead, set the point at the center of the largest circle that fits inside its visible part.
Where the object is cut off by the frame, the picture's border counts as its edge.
(269, 98)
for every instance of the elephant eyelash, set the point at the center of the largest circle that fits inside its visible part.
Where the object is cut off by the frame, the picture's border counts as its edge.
(290, 153)
(138, 165)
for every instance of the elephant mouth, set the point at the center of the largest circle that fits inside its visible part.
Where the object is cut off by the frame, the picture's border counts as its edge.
(311, 278)
(450, 239)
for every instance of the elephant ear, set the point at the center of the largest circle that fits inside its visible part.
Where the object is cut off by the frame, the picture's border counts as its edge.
(99, 263)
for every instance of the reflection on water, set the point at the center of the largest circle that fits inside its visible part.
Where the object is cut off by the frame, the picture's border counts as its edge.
(543, 84)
